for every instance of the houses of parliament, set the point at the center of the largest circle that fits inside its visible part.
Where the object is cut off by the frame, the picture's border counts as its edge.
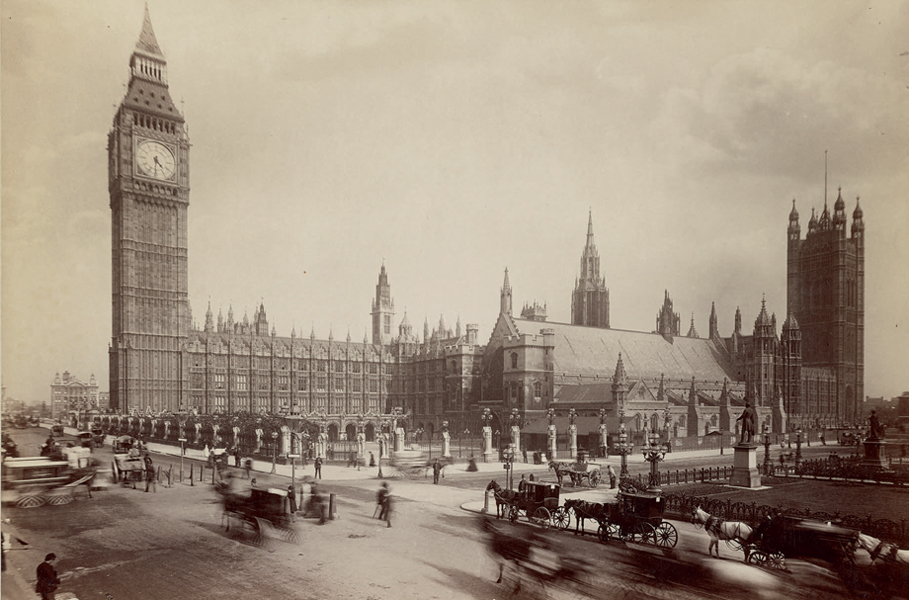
(808, 372)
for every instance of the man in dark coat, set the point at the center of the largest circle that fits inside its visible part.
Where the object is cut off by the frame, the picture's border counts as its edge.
(436, 471)
(318, 464)
(47, 578)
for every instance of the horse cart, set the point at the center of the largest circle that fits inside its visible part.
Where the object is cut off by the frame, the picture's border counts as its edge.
(539, 504)
(266, 511)
(411, 464)
(127, 466)
(638, 517)
(784, 536)
(578, 472)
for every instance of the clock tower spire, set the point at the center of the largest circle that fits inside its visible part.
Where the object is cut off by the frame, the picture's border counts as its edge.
(148, 185)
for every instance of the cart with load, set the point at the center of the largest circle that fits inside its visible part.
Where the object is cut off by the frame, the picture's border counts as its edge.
(638, 517)
(127, 466)
(539, 504)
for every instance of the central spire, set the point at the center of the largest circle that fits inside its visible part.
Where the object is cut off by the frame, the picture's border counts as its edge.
(590, 299)
(147, 43)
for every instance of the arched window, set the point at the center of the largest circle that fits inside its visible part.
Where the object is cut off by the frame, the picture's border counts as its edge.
(514, 360)
(537, 390)
(654, 422)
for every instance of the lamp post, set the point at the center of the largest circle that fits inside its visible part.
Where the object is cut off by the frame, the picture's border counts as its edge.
(274, 451)
(622, 447)
(182, 453)
(654, 453)
(798, 448)
(768, 465)
(508, 459)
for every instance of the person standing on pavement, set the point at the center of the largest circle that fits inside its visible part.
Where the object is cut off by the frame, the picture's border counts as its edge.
(292, 500)
(47, 578)
(611, 475)
(318, 465)
(436, 471)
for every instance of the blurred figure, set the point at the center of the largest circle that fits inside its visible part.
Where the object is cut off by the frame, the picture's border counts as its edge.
(47, 578)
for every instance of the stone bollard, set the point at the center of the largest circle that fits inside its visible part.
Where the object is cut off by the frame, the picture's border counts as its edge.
(485, 502)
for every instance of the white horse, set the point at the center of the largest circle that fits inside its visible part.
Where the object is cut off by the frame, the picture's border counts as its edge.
(736, 533)
(886, 552)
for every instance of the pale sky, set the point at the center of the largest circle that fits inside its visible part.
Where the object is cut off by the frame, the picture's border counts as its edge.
(453, 140)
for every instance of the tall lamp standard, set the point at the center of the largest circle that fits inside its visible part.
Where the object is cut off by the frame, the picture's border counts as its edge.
(768, 465)
(622, 447)
(798, 448)
(274, 451)
(654, 453)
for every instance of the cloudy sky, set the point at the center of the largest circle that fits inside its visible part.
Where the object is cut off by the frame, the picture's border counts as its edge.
(453, 140)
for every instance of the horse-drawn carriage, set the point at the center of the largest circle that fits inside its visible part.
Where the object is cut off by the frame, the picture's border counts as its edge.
(264, 510)
(637, 517)
(127, 466)
(31, 481)
(409, 463)
(578, 472)
(539, 504)
(784, 536)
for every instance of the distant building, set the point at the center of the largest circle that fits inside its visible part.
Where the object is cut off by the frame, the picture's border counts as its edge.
(70, 394)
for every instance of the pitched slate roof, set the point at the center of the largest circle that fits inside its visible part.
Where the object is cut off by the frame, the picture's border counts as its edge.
(583, 350)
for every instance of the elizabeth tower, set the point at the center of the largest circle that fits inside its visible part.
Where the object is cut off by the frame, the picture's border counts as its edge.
(148, 181)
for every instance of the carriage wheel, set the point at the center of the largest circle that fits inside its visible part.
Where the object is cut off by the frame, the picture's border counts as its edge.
(609, 531)
(595, 479)
(643, 533)
(735, 544)
(542, 516)
(776, 560)
(561, 518)
(758, 558)
(666, 535)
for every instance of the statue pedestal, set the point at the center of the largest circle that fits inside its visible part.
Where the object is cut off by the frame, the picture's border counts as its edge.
(744, 467)
(874, 455)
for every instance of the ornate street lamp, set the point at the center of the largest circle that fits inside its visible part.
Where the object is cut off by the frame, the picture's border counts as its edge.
(508, 459)
(768, 465)
(654, 453)
(623, 447)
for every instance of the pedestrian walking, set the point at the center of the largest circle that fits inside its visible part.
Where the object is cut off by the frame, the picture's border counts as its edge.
(388, 506)
(318, 465)
(611, 475)
(47, 578)
(150, 479)
(524, 452)
(380, 501)
(436, 471)
(248, 465)
(292, 500)
(372, 459)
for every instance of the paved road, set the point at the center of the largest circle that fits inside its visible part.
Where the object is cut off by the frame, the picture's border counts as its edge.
(127, 544)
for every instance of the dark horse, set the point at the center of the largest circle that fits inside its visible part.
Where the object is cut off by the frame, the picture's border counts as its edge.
(585, 510)
(503, 497)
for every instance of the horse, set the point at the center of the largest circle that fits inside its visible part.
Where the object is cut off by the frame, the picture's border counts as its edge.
(506, 547)
(735, 531)
(561, 469)
(585, 510)
(503, 497)
(886, 552)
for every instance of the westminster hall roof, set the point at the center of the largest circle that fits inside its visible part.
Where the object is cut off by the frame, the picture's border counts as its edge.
(591, 351)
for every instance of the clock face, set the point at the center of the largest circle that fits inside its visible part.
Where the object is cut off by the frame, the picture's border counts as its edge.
(154, 159)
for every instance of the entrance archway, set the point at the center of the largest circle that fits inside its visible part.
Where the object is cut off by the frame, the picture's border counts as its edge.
(351, 431)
